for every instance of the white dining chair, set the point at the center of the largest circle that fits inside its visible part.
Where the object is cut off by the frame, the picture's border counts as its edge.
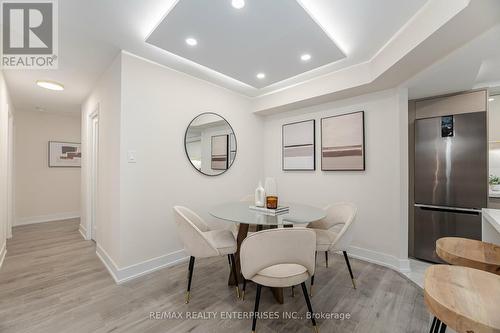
(335, 232)
(279, 258)
(201, 242)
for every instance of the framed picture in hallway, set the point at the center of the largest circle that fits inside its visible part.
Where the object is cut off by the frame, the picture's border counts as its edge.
(64, 154)
(299, 146)
(343, 142)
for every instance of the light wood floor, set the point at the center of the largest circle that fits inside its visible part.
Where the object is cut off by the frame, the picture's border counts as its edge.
(52, 281)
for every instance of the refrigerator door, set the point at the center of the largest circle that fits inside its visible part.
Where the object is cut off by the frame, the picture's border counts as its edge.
(451, 161)
(432, 224)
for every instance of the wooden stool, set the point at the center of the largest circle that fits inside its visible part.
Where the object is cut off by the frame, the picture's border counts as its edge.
(469, 253)
(465, 299)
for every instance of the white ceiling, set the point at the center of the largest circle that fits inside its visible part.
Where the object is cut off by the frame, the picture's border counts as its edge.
(264, 36)
(93, 31)
(474, 65)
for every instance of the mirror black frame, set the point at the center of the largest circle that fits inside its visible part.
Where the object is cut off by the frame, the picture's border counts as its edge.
(235, 142)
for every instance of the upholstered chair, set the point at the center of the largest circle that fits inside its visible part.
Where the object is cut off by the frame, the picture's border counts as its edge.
(201, 242)
(335, 232)
(279, 258)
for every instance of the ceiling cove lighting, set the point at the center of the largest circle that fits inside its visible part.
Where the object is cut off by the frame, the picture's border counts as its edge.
(261, 76)
(238, 4)
(305, 57)
(191, 41)
(491, 99)
(51, 85)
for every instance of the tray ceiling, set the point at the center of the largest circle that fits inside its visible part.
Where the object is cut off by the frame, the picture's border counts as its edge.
(274, 38)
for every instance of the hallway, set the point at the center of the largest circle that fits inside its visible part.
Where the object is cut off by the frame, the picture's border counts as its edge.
(52, 281)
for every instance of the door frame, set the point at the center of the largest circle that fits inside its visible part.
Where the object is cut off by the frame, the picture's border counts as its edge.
(92, 172)
(10, 172)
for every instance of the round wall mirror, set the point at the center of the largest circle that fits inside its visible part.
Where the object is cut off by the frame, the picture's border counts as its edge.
(210, 144)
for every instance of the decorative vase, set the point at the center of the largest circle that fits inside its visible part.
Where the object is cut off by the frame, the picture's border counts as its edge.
(260, 196)
(495, 188)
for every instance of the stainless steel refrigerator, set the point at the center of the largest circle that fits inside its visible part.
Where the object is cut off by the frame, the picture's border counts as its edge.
(450, 179)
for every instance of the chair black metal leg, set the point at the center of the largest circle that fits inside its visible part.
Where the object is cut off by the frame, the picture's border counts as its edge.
(326, 258)
(309, 306)
(433, 325)
(438, 325)
(244, 288)
(349, 267)
(229, 261)
(190, 278)
(312, 285)
(235, 275)
(443, 328)
(256, 307)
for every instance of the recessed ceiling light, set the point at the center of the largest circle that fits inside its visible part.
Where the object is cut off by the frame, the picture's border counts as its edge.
(261, 76)
(191, 41)
(238, 4)
(50, 85)
(491, 99)
(305, 57)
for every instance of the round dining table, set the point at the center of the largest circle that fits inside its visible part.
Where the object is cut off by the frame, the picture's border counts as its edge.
(241, 213)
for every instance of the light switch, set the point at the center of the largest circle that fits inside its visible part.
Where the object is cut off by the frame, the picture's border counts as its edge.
(131, 156)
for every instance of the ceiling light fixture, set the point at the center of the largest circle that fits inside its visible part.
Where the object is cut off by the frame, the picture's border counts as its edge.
(238, 4)
(261, 76)
(40, 109)
(50, 85)
(191, 41)
(491, 99)
(305, 57)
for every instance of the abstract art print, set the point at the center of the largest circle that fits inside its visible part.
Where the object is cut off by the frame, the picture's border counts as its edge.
(343, 142)
(299, 146)
(64, 154)
(220, 152)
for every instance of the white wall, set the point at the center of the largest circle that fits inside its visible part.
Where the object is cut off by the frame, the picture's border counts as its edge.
(381, 227)
(144, 107)
(43, 193)
(106, 99)
(5, 109)
(494, 135)
(158, 104)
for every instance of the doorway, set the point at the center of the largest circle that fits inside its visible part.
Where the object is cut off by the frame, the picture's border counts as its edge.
(93, 176)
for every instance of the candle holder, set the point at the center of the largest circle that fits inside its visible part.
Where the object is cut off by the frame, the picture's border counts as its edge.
(271, 202)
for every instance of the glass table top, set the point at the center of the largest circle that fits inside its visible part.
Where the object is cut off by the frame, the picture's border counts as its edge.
(239, 212)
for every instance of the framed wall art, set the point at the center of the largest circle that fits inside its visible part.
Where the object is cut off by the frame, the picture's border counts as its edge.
(343, 142)
(299, 146)
(64, 154)
(219, 156)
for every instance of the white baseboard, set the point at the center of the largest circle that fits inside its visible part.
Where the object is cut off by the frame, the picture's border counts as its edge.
(379, 258)
(3, 252)
(121, 275)
(46, 218)
(82, 231)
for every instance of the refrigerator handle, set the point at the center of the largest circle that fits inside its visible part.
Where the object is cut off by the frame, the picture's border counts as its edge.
(450, 209)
